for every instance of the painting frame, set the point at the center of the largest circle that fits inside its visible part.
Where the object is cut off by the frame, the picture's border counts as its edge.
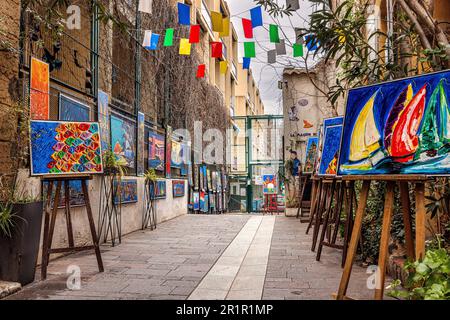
(39, 90)
(330, 133)
(309, 145)
(131, 159)
(178, 188)
(79, 104)
(132, 197)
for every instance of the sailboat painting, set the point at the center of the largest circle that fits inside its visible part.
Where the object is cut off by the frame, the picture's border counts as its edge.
(398, 127)
(330, 149)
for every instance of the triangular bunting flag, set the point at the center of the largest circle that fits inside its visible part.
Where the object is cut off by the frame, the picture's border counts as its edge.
(281, 47)
(217, 21)
(154, 41)
(246, 63)
(194, 36)
(274, 35)
(292, 5)
(184, 14)
(250, 50)
(201, 71)
(168, 38)
(248, 28)
(185, 47)
(272, 56)
(298, 50)
(226, 28)
(223, 67)
(216, 49)
(145, 6)
(311, 42)
(257, 19)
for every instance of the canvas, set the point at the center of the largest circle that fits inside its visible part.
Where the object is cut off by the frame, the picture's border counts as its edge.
(176, 155)
(209, 179)
(65, 148)
(204, 207)
(196, 201)
(311, 154)
(141, 144)
(212, 201)
(329, 144)
(320, 148)
(168, 151)
(39, 90)
(178, 188)
(123, 140)
(203, 177)
(76, 195)
(127, 192)
(156, 151)
(73, 110)
(195, 176)
(269, 184)
(398, 127)
(161, 190)
(103, 118)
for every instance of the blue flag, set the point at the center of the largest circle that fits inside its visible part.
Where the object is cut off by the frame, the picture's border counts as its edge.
(154, 41)
(257, 19)
(184, 14)
(246, 63)
(311, 42)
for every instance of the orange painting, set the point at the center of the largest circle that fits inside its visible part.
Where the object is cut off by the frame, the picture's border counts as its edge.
(39, 90)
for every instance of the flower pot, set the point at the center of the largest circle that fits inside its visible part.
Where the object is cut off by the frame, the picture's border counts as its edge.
(18, 254)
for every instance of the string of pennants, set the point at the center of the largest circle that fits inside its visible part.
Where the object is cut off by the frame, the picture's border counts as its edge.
(221, 25)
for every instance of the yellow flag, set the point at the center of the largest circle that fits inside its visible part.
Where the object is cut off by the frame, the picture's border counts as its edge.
(185, 47)
(223, 67)
(226, 28)
(217, 21)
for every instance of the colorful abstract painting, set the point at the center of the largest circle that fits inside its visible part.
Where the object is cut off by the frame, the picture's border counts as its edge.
(195, 176)
(196, 200)
(141, 144)
(329, 145)
(103, 118)
(178, 188)
(204, 202)
(126, 191)
(73, 110)
(398, 127)
(161, 189)
(269, 184)
(123, 140)
(311, 154)
(65, 148)
(156, 151)
(39, 90)
(76, 195)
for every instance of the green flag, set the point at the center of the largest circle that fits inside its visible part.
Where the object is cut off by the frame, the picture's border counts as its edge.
(274, 35)
(249, 50)
(168, 39)
(298, 50)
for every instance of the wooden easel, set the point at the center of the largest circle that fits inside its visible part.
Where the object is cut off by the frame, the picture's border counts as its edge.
(149, 214)
(304, 180)
(419, 182)
(51, 211)
(110, 213)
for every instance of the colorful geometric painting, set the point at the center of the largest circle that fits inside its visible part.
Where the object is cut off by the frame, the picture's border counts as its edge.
(156, 151)
(196, 200)
(76, 195)
(73, 110)
(398, 127)
(123, 140)
(127, 192)
(161, 190)
(65, 148)
(141, 144)
(178, 188)
(103, 118)
(311, 154)
(269, 184)
(39, 90)
(329, 146)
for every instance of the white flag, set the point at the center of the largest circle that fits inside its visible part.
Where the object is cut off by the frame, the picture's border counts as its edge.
(145, 6)
(147, 39)
(293, 4)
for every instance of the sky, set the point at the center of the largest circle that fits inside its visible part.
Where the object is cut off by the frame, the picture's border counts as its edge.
(267, 75)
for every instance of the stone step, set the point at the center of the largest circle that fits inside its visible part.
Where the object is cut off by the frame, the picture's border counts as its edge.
(8, 288)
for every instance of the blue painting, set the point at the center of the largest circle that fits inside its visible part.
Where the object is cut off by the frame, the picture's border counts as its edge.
(76, 195)
(311, 154)
(72, 110)
(330, 152)
(204, 202)
(196, 201)
(398, 127)
(103, 118)
(178, 188)
(126, 191)
(161, 190)
(123, 140)
(65, 148)
(203, 177)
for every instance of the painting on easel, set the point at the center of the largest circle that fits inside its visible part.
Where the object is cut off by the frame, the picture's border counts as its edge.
(331, 141)
(311, 154)
(398, 127)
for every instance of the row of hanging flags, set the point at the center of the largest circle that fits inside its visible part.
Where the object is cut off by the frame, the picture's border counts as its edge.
(221, 25)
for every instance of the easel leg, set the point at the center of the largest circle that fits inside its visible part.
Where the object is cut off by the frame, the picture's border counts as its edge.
(406, 206)
(337, 221)
(348, 198)
(46, 227)
(325, 222)
(92, 226)
(319, 213)
(420, 220)
(67, 211)
(315, 209)
(384, 242)
(360, 212)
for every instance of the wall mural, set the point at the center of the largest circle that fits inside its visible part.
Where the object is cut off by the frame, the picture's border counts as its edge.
(123, 140)
(65, 148)
(398, 127)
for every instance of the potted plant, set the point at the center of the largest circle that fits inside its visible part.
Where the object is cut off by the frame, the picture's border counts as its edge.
(20, 231)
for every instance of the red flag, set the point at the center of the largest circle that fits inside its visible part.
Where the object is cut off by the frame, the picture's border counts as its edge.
(248, 28)
(201, 71)
(194, 36)
(216, 49)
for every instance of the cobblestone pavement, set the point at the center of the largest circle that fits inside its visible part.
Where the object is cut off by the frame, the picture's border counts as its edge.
(205, 257)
